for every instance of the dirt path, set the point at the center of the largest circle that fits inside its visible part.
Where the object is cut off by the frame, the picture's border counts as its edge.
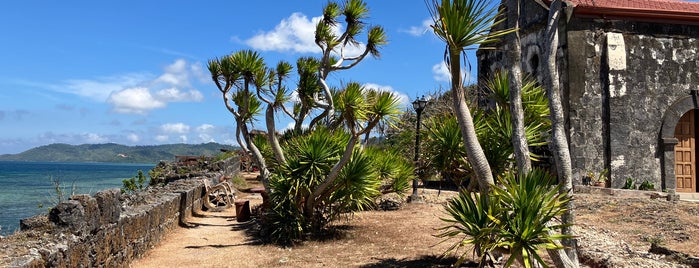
(402, 238)
(204, 245)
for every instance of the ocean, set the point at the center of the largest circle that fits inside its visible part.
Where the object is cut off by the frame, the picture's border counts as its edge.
(27, 188)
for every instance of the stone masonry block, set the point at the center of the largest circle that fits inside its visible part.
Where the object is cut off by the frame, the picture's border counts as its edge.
(92, 213)
(110, 208)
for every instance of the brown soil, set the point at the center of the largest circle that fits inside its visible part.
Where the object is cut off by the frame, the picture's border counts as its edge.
(614, 232)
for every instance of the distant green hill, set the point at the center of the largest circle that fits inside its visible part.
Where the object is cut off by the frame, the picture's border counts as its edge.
(115, 153)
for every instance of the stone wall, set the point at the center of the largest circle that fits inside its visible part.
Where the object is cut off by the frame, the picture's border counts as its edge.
(109, 229)
(92, 231)
(627, 76)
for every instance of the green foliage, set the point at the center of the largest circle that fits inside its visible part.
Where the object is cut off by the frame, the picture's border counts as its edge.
(445, 149)
(394, 171)
(646, 186)
(446, 152)
(239, 182)
(516, 218)
(470, 222)
(598, 177)
(310, 159)
(530, 205)
(629, 184)
(135, 183)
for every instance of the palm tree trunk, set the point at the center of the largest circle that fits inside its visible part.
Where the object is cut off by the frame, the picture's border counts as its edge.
(519, 139)
(474, 151)
(264, 172)
(559, 144)
(272, 135)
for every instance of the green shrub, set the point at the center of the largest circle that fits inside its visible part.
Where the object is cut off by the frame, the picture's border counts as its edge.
(630, 184)
(134, 183)
(515, 218)
(646, 186)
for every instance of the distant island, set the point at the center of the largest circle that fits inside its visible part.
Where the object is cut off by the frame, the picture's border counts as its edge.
(115, 153)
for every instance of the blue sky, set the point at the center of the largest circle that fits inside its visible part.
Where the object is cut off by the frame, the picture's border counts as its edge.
(134, 72)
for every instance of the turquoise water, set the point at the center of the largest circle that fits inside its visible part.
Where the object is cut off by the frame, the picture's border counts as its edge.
(27, 188)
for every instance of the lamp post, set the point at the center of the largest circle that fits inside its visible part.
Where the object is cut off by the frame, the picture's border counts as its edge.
(419, 105)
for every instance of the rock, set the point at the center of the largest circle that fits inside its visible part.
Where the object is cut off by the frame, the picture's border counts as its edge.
(68, 214)
(34, 223)
(109, 205)
(92, 211)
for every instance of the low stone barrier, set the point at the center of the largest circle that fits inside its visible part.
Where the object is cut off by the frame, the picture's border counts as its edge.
(108, 229)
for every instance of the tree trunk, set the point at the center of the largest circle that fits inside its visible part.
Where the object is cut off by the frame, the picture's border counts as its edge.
(264, 172)
(559, 144)
(474, 151)
(272, 135)
(519, 139)
(309, 206)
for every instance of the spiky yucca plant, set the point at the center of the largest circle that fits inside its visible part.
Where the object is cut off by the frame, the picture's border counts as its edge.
(517, 218)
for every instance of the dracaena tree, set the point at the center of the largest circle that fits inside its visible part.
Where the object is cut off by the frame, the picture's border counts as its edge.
(463, 25)
(323, 171)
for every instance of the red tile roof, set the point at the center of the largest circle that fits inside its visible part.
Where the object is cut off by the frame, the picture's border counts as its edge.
(664, 11)
(649, 5)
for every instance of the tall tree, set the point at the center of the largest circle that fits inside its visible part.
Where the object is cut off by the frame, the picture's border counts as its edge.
(559, 144)
(234, 75)
(354, 12)
(519, 140)
(462, 25)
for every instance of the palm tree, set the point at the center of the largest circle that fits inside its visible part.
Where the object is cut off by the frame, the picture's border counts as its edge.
(354, 12)
(559, 144)
(463, 24)
(234, 75)
(519, 142)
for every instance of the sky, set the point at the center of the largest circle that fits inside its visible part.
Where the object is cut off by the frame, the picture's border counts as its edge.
(134, 72)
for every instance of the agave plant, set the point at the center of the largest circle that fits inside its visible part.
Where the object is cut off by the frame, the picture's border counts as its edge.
(394, 171)
(470, 222)
(518, 218)
(530, 205)
(445, 148)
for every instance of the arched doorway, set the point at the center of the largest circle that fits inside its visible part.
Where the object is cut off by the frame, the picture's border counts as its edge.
(685, 153)
(682, 110)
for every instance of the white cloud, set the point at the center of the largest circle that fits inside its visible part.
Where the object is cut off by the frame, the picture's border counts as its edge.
(441, 73)
(133, 137)
(183, 138)
(291, 125)
(174, 94)
(404, 99)
(99, 89)
(93, 138)
(420, 30)
(176, 128)
(136, 100)
(296, 33)
(162, 138)
(205, 128)
(206, 132)
(136, 93)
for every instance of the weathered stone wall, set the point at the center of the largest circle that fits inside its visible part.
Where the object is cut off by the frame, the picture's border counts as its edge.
(94, 231)
(626, 77)
(109, 229)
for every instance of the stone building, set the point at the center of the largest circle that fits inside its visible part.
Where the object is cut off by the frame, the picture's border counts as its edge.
(629, 75)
